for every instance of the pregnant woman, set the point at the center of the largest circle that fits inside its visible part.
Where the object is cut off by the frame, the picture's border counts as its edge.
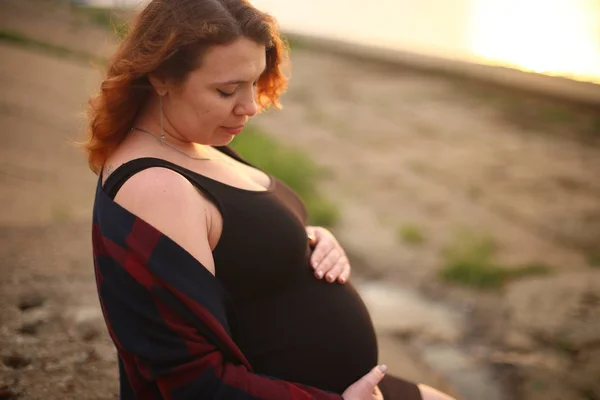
(211, 284)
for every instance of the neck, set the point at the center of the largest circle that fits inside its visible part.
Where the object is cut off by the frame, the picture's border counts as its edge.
(150, 119)
(188, 153)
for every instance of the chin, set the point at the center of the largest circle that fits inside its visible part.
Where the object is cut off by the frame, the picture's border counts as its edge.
(223, 140)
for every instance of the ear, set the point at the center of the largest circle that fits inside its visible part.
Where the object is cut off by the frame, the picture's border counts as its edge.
(160, 84)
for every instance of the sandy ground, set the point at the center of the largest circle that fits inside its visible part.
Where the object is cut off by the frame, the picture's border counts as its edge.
(400, 147)
(430, 150)
(49, 343)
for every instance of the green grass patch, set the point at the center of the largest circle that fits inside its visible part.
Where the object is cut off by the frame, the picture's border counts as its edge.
(594, 260)
(109, 19)
(565, 346)
(48, 48)
(59, 212)
(411, 234)
(419, 167)
(294, 43)
(595, 126)
(556, 115)
(469, 262)
(293, 167)
(474, 192)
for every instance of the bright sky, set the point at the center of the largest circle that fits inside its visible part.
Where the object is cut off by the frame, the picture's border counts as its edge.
(559, 37)
(551, 36)
(548, 36)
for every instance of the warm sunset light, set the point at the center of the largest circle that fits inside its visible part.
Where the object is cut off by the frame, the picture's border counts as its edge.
(556, 37)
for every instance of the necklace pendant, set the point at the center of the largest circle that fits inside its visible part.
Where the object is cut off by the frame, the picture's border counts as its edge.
(164, 143)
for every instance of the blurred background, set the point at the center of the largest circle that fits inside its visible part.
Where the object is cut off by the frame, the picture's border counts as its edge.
(453, 146)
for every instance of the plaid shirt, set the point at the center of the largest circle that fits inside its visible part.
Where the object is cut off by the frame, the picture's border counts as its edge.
(167, 316)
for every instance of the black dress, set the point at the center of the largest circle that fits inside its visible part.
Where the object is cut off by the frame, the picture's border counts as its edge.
(288, 324)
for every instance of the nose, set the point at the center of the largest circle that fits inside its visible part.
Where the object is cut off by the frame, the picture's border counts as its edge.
(247, 108)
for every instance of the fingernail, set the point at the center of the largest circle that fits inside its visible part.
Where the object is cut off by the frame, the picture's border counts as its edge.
(314, 264)
(383, 368)
(330, 278)
(342, 280)
(319, 274)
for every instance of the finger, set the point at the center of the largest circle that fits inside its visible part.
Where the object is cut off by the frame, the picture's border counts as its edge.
(345, 274)
(377, 395)
(363, 388)
(327, 263)
(312, 236)
(335, 271)
(377, 374)
(322, 250)
(374, 376)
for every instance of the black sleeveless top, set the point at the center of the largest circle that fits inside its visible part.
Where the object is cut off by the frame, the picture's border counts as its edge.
(290, 325)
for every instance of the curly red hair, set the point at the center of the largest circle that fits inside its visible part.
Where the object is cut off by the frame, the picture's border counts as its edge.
(168, 38)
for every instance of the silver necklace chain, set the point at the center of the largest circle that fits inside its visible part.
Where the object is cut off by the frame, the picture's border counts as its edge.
(164, 143)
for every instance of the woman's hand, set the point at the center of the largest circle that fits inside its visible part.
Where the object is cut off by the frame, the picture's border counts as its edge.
(366, 387)
(377, 395)
(429, 393)
(328, 259)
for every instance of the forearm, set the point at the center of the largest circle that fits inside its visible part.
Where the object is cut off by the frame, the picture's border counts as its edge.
(429, 393)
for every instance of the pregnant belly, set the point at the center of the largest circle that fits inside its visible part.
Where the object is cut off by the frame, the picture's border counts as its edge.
(319, 334)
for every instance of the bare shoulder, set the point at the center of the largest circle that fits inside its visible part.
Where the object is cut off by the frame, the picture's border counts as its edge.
(170, 203)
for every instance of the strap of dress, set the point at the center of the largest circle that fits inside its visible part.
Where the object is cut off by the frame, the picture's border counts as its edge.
(119, 176)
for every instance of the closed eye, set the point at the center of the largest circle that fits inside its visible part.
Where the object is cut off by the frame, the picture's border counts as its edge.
(225, 94)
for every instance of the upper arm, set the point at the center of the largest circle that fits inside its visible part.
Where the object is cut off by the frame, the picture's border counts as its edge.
(170, 203)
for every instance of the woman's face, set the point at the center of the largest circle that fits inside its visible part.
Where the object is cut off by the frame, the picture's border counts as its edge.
(217, 99)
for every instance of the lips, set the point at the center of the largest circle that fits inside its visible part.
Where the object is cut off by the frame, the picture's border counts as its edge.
(234, 130)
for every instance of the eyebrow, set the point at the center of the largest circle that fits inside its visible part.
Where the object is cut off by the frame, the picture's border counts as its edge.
(234, 82)
(238, 81)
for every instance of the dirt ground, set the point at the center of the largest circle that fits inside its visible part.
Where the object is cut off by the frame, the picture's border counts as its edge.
(399, 147)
